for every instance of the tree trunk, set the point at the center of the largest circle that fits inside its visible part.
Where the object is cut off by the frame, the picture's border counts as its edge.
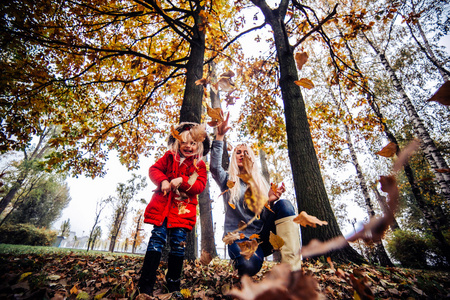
(380, 252)
(309, 187)
(433, 155)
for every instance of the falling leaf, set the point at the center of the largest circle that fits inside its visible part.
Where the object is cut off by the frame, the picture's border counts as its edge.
(232, 205)
(182, 209)
(253, 196)
(216, 114)
(175, 134)
(404, 155)
(230, 184)
(316, 247)
(442, 95)
(254, 236)
(225, 82)
(274, 187)
(389, 150)
(442, 170)
(242, 225)
(276, 241)
(281, 284)
(205, 258)
(301, 58)
(306, 220)
(248, 248)
(231, 237)
(305, 82)
(203, 81)
(198, 133)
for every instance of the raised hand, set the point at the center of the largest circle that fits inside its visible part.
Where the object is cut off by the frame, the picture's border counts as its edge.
(222, 128)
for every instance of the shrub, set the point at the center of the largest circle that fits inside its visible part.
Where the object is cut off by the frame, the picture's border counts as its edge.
(409, 248)
(26, 234)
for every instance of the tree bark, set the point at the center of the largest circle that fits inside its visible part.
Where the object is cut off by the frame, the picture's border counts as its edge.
(309, 187)
(433, 155)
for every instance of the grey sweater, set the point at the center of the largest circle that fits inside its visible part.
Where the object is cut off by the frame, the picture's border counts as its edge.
(241, 212)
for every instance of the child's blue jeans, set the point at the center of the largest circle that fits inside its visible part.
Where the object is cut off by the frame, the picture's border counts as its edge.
(177, 239)
(281, 209)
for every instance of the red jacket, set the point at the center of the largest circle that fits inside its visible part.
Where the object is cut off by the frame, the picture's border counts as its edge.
(179, 212)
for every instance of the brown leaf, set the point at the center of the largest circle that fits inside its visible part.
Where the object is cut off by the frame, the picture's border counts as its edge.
(316, 247)
(231, 237)
(224, 193)
(281, 284)
(301, 58)
(248, 248)
(359, 285)
(276, 241)
(230, 184)
(306, 220)
(389, 150)
(442, 170)
(442, 95)
(404, 155)
(198, 133)
(203, 81)
(205, 258)
(305, 82)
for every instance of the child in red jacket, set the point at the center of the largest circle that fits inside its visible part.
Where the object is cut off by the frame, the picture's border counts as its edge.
(180, 175)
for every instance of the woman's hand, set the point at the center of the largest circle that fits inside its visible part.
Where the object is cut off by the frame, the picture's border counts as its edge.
(175, 183)
(222, 128)
(165, 187)
(273, 196)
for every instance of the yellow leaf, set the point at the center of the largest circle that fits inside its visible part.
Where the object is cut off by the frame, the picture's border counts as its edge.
(74, 290)
(24, 275)
(276, 241)
(301, 58)
(182, 209)
(389, 150)
(305, 82)
(306, 220)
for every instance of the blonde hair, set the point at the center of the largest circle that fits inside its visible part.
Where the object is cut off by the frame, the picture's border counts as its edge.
(187, 137)
(233, 172)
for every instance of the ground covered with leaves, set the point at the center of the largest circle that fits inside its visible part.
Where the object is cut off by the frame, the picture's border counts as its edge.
(76, 275)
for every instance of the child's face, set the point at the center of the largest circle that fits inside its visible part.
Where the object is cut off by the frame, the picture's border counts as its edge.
(188, 148)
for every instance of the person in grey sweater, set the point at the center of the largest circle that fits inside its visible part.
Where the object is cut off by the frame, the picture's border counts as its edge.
(278, 219)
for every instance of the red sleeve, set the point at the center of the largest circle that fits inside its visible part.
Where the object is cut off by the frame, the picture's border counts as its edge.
(158, 171)
(199, 185)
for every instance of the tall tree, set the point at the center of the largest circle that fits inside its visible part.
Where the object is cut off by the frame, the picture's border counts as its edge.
(99, 207)
(309, 186)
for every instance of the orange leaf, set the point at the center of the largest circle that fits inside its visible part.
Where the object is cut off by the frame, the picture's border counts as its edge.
(216, 114)
(305, 82)
(224, 193)
(254, 236)
(442, 95)
(301, 58)
(203, 81)
(231, 237)
(182, 209)
(232, 205)
(175, 133)
(389, 150)
(306, 220)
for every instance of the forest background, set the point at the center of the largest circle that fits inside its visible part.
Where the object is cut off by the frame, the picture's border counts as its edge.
(93, 79)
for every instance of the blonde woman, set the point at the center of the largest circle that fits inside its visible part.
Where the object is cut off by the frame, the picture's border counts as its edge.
(279, 219)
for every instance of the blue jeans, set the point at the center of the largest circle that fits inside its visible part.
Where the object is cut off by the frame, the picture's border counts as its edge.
(177, 239)
(281, 209)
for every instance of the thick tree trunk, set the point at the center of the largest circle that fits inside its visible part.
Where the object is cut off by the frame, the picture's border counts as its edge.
(309, 187)
(433, 155)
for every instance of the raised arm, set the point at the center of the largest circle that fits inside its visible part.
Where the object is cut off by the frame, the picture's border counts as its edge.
(217, 171)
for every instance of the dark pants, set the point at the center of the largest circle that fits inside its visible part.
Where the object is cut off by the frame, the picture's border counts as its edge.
(281, 209)
(177, 239)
